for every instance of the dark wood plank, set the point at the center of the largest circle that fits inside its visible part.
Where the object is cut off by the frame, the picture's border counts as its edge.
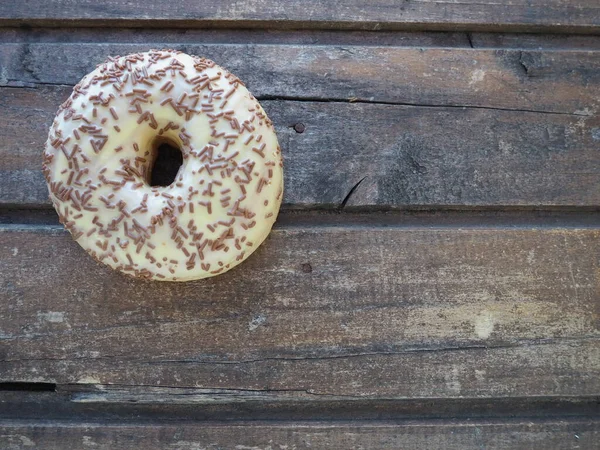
(533, 41)
(95, 403)
(451, 435)
(525, 15)
(421, 39)
(555, 81)
(355, 312)
(244, 36)
(407, 218)
(410, 156)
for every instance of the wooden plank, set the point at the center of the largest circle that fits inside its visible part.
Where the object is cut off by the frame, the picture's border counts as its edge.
(523, 15)
(533, 41)
(422, 39)
(356, 311)
(410, 218)
(94, 403)
(556, 81)
(450, 435)
(86, 403)
(244, 36)
(410, 156)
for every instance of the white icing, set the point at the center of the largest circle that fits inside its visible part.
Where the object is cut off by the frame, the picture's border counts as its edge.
(75, 165)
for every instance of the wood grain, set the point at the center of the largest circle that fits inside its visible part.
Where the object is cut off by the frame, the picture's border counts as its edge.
(96, 403)
(355, 312)
(556, 81)
(534, 41)
(411, 156)
(413, 329)
(244, 36)
(530, 15)
(456, 435)
(421, 39)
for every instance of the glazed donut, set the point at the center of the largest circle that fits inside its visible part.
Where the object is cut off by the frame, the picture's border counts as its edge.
(102, 147)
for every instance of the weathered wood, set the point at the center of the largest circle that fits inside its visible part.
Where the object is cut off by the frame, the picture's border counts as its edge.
(410, 156)
(533, 41)
(417, 330)
(94, 403)
(582, 434)
(357, 311)
(421, 39)
(171, 36)
(556, 81)
(408, 218)
(525, 15)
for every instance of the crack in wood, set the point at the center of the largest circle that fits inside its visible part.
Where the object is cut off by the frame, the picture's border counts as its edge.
(352, 190)
(519, 343)
(522, 64)
(470, 39)
(353, 100)
(405, 351)
(20, 386)
(357, 100)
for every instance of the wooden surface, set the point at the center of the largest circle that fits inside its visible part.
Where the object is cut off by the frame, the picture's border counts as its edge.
(437, 127)
(532, 80)
(410, 155)
(433, 280)
(443, 319)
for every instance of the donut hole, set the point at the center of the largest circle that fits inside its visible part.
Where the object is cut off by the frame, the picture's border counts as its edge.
(167, 159)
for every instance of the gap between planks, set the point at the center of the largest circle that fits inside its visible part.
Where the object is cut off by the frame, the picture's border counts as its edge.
(45, 219)
(424, 39)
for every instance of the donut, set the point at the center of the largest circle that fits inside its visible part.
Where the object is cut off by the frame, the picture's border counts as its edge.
(103, 146)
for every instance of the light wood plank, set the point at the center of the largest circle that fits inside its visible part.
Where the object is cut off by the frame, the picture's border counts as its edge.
(357, 311)
(577, 433)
